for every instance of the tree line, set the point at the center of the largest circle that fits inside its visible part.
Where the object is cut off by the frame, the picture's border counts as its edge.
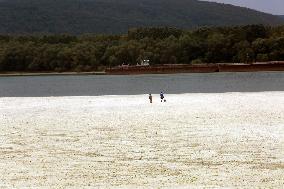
(90, 52)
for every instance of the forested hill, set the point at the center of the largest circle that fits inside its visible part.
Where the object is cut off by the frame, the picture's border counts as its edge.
(117, 16)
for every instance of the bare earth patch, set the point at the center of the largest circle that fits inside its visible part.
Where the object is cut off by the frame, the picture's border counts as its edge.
(191, 141)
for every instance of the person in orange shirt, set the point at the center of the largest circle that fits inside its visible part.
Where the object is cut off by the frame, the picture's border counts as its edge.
(150, 98)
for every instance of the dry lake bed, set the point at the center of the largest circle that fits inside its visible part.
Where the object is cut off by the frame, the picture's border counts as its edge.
(216, 140)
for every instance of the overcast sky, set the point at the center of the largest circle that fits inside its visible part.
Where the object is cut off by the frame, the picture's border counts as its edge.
(269, 6)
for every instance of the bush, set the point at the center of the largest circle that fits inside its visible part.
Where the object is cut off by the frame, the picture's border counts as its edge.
(197, 61)
(262, 57)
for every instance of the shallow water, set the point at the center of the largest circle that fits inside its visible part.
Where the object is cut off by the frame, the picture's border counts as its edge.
(95, 85)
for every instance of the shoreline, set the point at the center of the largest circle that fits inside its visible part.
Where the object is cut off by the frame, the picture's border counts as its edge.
(142, 95)
(104, 73)
(167, 69)
(277, 66)
(197, 68)
(13, 74)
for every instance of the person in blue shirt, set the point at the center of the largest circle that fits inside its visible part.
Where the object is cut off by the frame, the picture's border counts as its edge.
(162, 97)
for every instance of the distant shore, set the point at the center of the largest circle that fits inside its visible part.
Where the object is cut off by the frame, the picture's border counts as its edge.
(197, 68)
(7, 74)
(167, 69)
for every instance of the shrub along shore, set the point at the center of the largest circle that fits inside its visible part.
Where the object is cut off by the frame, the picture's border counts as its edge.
(92, 53)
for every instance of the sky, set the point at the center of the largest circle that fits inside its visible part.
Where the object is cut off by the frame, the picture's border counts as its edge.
(269, 6)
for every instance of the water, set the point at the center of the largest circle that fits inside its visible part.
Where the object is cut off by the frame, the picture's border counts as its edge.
(94, 85)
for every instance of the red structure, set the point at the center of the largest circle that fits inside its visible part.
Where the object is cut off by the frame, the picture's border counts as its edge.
(198, 68)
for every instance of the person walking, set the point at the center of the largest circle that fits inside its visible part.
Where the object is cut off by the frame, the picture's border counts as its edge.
(150, 98)
(162, 97)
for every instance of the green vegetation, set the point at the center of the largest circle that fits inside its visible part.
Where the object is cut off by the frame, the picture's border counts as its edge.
(159, 45)
(117, 16)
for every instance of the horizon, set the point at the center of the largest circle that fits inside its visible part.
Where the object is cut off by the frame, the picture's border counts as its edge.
(275, 7)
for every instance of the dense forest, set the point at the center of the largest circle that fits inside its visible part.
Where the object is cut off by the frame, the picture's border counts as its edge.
(117, 16)
(38, 53)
